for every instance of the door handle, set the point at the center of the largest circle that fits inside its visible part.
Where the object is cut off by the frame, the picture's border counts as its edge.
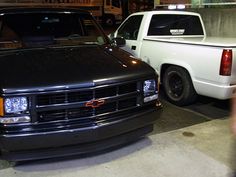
(133, 47)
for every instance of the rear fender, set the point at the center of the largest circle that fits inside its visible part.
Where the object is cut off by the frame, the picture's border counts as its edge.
(164, 66)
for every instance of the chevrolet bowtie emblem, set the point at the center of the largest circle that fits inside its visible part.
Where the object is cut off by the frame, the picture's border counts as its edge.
(95, 103)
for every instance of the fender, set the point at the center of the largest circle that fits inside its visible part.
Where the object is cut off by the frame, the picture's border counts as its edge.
(176, 63)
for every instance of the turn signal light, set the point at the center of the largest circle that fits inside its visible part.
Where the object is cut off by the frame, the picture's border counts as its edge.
(226, 62)
(1, 107)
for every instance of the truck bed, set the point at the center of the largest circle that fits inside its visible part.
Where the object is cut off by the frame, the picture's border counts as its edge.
(208, 41)
(200, 56)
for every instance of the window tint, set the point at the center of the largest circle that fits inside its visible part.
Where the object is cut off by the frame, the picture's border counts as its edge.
(116, 3)
(129, 30)
(108, 2)
(41, 29)
(175, 25)
(56, 25)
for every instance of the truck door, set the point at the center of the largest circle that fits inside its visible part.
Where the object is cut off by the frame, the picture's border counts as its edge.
(129, 30)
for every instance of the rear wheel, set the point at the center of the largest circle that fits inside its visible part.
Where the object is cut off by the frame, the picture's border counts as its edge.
(109, 20)
(178, 86)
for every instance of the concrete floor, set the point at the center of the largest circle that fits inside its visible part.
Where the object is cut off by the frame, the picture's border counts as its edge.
(202, 150)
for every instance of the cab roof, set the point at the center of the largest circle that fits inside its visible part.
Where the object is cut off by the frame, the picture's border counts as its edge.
(27, 9)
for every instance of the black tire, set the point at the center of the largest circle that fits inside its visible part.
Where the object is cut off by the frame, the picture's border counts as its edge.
(178, 86)
(109, 20)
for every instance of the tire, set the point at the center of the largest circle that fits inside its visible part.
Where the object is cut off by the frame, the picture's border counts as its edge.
(109, 21)
(178, 86)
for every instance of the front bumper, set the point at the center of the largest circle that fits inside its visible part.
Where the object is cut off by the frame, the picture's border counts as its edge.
(77, 141)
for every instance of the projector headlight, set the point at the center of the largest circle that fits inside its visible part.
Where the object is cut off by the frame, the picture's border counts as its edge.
(15, 104)
(150, 90)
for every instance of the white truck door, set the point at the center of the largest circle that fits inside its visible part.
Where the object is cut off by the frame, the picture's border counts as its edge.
(129, 30)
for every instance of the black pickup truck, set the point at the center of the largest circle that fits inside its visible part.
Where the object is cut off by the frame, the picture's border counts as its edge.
(65, 89)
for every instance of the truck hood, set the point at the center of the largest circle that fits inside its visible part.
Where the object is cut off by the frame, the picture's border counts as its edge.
(62, 68)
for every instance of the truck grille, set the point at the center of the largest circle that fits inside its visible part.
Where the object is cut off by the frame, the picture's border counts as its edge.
(71, 105)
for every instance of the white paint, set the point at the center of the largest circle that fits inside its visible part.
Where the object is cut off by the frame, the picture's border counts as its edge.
(198, 54)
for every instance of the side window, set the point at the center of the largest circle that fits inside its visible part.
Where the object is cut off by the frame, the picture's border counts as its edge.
(116, 3)
(129, 30)
(175, 25)
(108, 2)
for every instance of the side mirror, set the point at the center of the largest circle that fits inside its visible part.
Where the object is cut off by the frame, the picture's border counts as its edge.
(119, 42)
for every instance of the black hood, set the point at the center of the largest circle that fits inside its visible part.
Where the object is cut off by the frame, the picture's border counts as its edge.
(38, 69)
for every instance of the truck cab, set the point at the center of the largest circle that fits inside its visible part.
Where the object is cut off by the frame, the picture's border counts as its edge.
(159, 24)
(112, 12)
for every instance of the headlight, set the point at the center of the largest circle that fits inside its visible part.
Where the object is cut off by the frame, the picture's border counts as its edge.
(150, 90)
(15, 104)
(14, 110)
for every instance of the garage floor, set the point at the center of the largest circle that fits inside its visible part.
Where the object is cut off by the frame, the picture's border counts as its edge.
(202, 150)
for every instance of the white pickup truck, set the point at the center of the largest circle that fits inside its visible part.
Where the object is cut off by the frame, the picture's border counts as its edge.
(188, 62)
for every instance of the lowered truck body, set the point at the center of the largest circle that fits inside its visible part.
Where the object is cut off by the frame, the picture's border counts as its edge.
(176, 46)
(65, 90)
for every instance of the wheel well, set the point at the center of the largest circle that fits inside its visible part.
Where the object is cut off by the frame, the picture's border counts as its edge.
(164, 68)
(110, 16)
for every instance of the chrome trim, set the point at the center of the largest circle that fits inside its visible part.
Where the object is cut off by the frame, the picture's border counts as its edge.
(14, 120)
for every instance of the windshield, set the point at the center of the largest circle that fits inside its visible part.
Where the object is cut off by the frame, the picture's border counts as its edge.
(48, 29)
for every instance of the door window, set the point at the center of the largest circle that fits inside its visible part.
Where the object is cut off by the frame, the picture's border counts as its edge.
(129, 30)
(108, 3)
(116, 3)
